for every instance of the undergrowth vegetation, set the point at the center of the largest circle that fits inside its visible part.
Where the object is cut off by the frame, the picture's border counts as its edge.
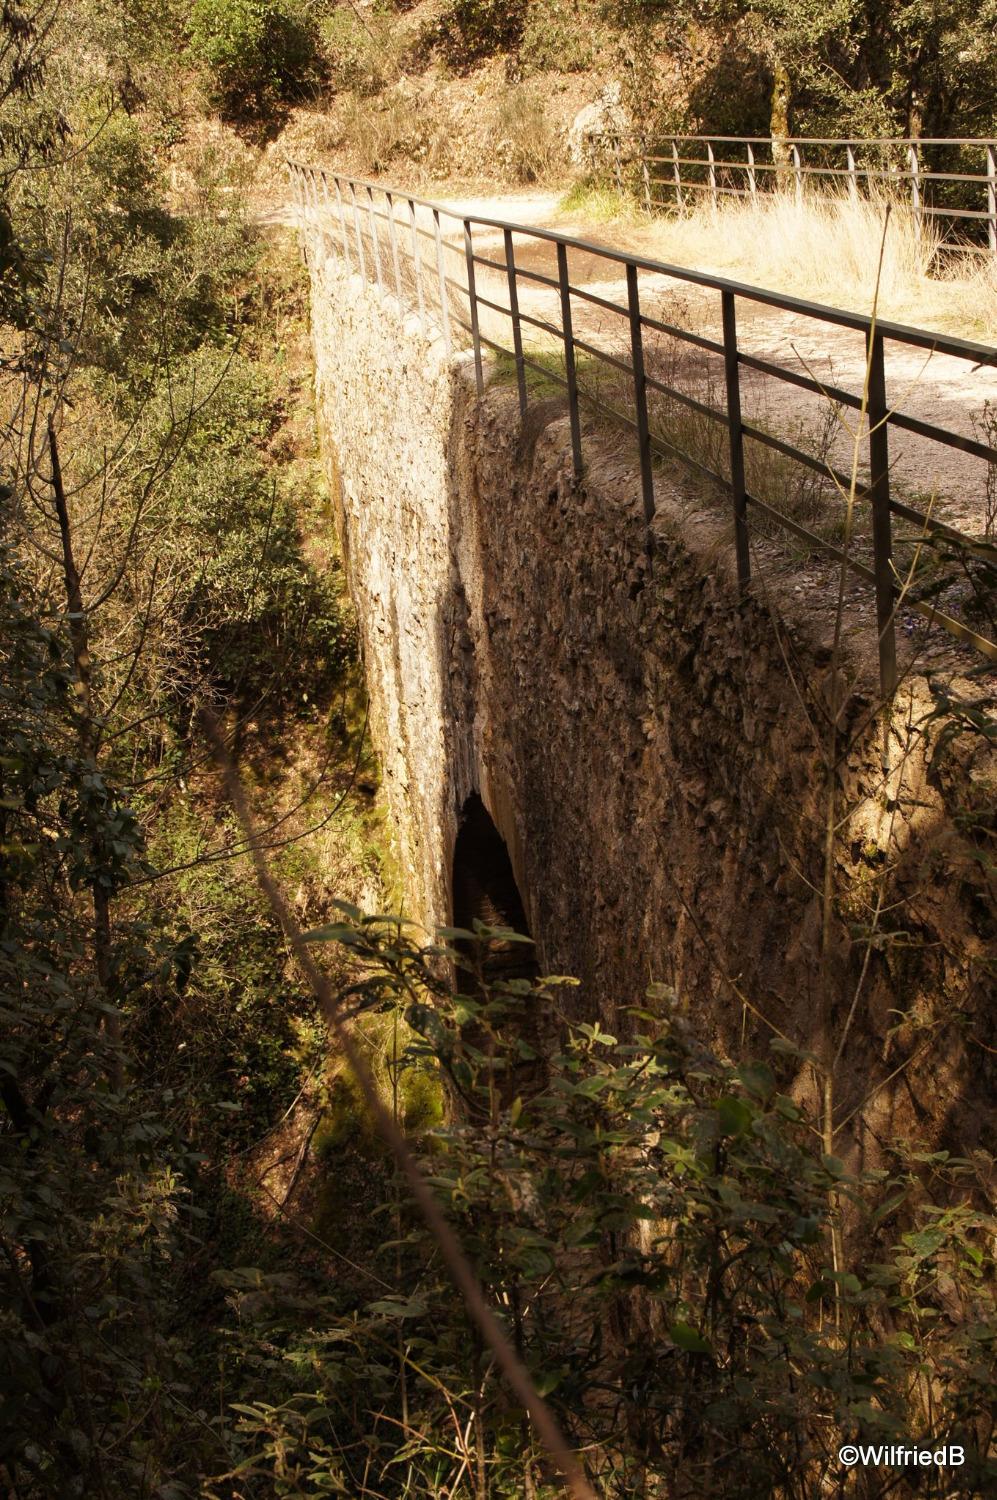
(157, 484)
(657, 1228)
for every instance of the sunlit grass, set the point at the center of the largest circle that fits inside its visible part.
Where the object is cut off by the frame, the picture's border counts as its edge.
(600, 204)
(824, 247)
(821, 246)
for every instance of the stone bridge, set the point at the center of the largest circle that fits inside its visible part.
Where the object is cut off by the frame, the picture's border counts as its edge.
(628, 759)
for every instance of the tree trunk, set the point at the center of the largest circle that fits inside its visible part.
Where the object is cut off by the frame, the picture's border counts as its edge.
(782, 92)
(79, 637)
(915, 115)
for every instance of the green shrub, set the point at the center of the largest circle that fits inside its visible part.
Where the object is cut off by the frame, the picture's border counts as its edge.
(122, 166)
(558, 38)
(251, 614)
(259, 54)
(468, 30)
(709, 1303)
(363, 54)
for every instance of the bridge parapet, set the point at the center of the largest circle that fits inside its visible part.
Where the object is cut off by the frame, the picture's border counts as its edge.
(399, 243)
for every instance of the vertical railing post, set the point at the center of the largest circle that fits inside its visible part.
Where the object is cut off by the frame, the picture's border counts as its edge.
(361, 262)
(645, 174)
(306, 219)
(992, 195)
(882, 529)
(472, 306)
(797, 159)
(373, 236)
(735, 433)
(327, 230)
(318, 230)
(517, 331)
(853, 176)
(393, 237)
(342, 225)
(571, 374)
(321, 232)
(640, 394)
(299, 199)
(713, 173)
(327, 235)
(313, 213)
(417, 263)
(442, 275)
(677, 174)
(752, 185)
(914, 167)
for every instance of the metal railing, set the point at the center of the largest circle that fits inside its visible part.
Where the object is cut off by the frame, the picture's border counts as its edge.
(398, 241)
(950, 179)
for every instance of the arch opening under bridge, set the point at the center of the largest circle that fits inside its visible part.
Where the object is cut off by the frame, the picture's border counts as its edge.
(485, 890)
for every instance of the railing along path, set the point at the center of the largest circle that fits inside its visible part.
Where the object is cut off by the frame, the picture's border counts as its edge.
(397, 241)
(678, 169)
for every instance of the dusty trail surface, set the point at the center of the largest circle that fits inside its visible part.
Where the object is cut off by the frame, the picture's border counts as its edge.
(933, 387)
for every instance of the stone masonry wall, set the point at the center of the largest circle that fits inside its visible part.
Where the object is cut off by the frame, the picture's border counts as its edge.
(644, 742)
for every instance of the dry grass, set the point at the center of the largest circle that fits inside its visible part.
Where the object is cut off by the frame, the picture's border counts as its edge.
(529, 145)
(825, 248)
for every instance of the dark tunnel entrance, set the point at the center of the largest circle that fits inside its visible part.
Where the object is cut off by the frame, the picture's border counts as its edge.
(485, 889)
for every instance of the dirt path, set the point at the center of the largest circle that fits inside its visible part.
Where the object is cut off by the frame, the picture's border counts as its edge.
(932, 387)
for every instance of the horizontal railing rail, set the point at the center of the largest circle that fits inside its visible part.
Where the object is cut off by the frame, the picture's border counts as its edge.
(398, 242)
(951, 179)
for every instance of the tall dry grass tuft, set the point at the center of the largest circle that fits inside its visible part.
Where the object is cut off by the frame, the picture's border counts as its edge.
(826, 244)
(529, 145)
